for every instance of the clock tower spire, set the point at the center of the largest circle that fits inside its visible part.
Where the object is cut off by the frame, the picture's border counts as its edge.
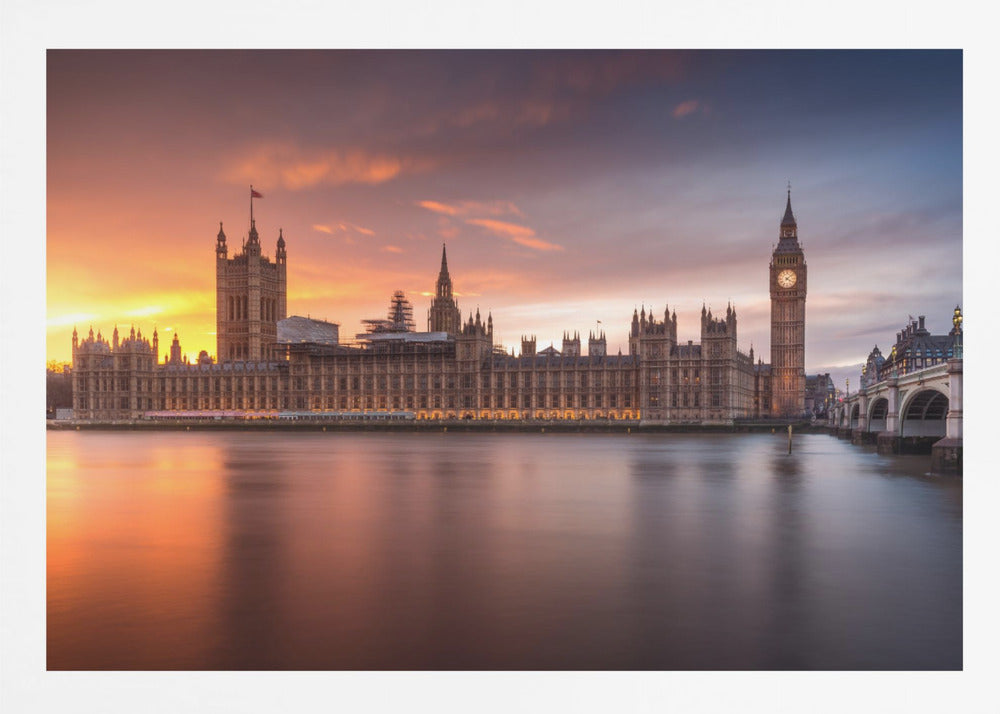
(788, 320)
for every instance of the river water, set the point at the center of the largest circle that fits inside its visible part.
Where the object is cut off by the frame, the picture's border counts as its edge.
(311, 550)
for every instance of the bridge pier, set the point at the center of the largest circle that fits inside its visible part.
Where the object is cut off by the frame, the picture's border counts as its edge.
(862, 427)
(862, 436)
(946, 454)
(887, 443)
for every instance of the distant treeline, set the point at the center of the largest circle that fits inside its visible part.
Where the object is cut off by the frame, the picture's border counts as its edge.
(58, 386)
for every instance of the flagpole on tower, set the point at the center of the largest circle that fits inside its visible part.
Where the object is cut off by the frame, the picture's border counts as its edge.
(253, 195)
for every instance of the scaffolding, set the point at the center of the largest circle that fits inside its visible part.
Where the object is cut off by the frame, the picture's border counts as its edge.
(399, 319)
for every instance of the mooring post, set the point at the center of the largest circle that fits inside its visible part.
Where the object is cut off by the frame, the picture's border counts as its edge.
(789, 438)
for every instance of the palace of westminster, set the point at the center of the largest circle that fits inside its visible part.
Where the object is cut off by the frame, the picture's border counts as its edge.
(269, 364)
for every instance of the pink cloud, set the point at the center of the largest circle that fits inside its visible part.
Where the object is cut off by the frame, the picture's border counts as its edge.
(522, 235)
(438, 207)
(295, 169)
(447, 229)
(689, 107)
(391, 249)
(343, 227)
(467, 208)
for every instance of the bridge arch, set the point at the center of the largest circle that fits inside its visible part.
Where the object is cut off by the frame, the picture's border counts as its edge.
(923, 413)
(877, 413)
(855, 415)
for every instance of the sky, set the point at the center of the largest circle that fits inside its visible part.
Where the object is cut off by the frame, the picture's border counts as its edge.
(570, 187)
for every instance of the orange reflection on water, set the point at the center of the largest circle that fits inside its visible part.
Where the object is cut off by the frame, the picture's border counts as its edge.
(127, 554)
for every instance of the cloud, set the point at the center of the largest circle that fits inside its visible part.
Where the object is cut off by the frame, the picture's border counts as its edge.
(439, 207)
(447, 229)
(343, 227)
(538, 113)
(295, 169)
(522, 235)
(485, 111)
(599, 73)
(689, 107)
(391, 249)
(466, 208)
(73, 319)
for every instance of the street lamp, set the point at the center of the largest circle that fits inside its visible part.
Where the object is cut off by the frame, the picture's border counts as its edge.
(956, 320)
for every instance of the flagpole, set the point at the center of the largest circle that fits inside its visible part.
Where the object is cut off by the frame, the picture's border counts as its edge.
(251, 204)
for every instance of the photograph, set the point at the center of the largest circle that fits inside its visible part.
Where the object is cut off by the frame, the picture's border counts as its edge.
(503, 360)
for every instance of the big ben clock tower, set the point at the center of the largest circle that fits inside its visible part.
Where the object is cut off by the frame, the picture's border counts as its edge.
(788, 321)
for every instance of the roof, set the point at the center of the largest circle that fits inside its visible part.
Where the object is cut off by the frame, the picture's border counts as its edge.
(789, 218)
(405, 336)
(297, 329)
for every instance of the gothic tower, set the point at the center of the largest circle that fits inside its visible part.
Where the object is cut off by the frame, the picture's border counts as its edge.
(788, 321)
(250, 298)
(444, 313)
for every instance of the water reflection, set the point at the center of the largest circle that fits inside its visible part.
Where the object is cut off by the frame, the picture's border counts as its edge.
(489, 551)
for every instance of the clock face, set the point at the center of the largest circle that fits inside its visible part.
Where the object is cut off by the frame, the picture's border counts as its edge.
(786, 278)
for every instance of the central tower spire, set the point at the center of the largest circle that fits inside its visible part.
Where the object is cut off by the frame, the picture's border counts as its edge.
(444, 280)
(444, 314)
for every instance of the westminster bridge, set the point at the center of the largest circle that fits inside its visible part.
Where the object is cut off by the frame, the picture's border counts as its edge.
(908, 413)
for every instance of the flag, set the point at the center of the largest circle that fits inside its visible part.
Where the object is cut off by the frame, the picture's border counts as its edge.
(256, 194)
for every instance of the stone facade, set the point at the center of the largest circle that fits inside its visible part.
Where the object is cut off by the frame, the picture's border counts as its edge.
(453, 371)
(788, 321)
(250, 299)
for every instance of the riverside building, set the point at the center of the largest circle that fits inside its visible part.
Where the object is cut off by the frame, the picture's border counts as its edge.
(272, 366)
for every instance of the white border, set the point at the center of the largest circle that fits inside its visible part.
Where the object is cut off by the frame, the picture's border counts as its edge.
(29, 28)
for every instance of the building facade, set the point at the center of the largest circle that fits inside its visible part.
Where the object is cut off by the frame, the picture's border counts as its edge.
(915, 348)
(250, 293)
(788, 320)
(270, 365)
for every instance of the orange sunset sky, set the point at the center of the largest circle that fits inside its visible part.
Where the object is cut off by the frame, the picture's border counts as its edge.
(570, 187)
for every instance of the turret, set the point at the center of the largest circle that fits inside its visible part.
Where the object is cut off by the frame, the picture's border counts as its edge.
(252, 246)
(175, 350)
(221, 250)
(571, 345)
(597, 345)
(279, 254)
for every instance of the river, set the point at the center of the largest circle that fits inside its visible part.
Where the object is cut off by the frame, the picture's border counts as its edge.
(316, 551)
